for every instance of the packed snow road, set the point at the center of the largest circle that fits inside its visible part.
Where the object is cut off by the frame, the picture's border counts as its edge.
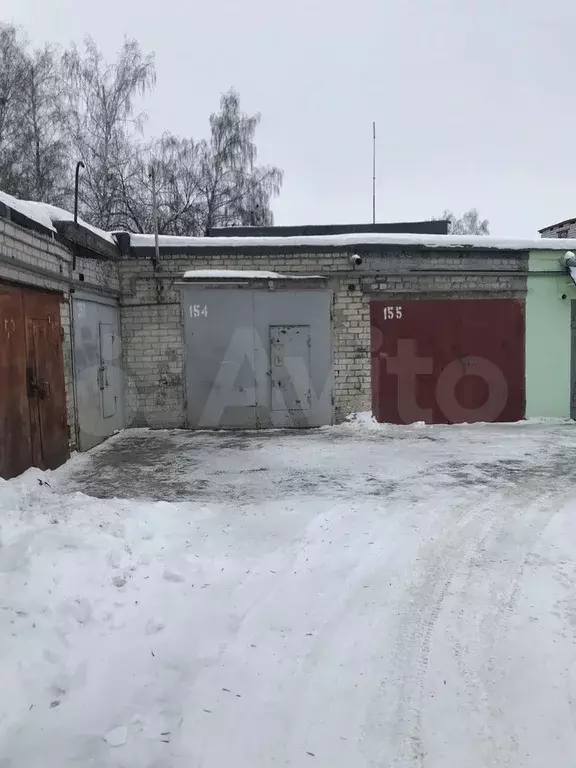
(353, 596)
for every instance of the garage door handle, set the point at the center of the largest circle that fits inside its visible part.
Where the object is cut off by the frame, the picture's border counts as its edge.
(43, 389)
(102, 377)
(40, 388)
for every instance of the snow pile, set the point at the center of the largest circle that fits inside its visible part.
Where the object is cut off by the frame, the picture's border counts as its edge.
(366, 420)
(363, 420)
(30, 210)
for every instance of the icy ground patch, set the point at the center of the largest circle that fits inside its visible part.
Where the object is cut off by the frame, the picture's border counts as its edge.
(352, 596)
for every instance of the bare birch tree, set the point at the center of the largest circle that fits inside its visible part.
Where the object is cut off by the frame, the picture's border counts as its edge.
(175, 165)
(32, 144)
(12, 72)
(206, 184)
(56, 109)
(469, 223)
(235, 190)
(43, 161)
(102, 123)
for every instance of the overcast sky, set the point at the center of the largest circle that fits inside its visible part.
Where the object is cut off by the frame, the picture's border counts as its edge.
(473, 99)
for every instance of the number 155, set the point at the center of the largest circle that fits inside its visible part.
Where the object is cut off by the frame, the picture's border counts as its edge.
(392, 313)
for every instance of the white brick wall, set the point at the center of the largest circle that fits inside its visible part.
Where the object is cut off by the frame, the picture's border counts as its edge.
(22, 252)
(97, 273)
(158, 391)
(352, 360)
(153, 364)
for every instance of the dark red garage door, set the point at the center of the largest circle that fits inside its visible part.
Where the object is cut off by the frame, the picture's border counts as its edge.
(446, 362)
(33, 426)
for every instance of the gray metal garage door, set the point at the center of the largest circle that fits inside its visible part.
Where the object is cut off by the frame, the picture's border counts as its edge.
(97, 369)
(257, 357)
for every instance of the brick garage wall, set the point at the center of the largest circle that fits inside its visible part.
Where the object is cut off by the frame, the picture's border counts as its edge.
(97, 275)
(152, 322)
(26, 254)
(446, 274)
(32, 259)
(153, 364)
(154, 361)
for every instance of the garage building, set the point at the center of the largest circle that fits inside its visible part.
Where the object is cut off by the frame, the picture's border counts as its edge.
(392, 299)
(101, 331)
(60, 353)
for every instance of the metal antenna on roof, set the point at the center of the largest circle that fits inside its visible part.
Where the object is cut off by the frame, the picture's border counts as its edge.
(156, 259)
(79, 165)
(152, 175)
(374, 173)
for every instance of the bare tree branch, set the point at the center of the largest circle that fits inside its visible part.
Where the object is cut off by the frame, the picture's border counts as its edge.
(469, 223)
(56, 109)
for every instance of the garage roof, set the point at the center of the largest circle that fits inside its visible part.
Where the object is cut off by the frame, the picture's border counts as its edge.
(434, 227)
(559, 225)
(346, 242)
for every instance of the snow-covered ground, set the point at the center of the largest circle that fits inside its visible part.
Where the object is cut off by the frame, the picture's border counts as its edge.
(353, 596)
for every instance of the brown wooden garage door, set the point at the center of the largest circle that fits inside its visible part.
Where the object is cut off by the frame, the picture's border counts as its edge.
(33, 426)
(446, 362)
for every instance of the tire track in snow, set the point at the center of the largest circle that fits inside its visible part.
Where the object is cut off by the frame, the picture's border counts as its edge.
(501, 567)
(439, 559)
(472, 533)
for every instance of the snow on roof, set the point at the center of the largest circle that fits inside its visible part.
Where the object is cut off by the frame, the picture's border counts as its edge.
(27, 209)
(352, 240)
(246, 274)
(564, 223)
(53, 213)
(46, 215)
(233, 273)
